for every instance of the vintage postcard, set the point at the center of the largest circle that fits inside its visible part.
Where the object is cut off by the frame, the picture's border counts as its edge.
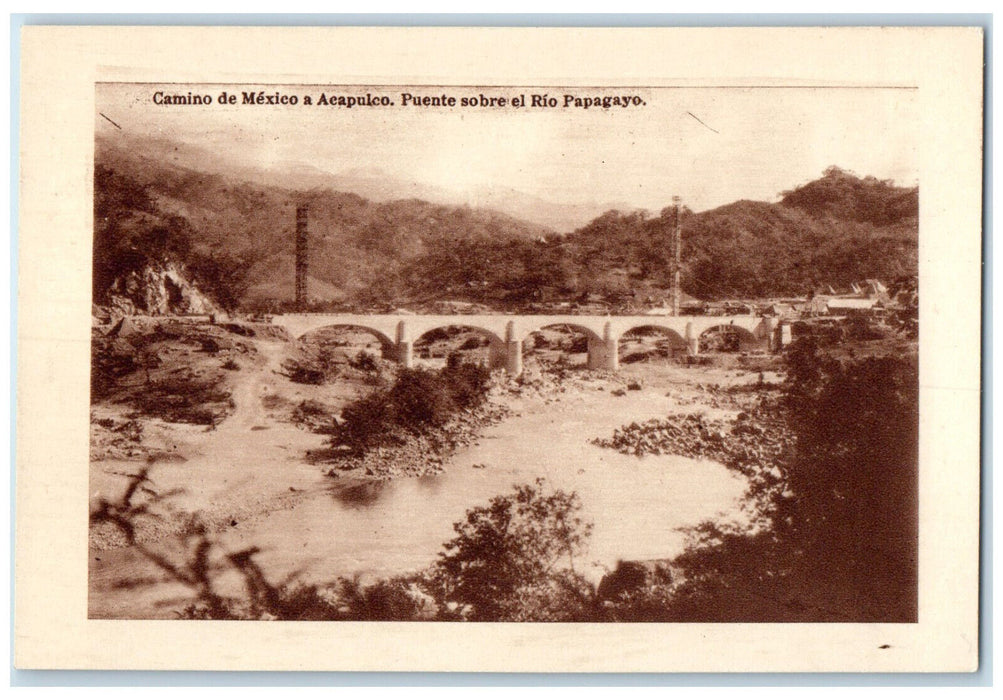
(341, 347)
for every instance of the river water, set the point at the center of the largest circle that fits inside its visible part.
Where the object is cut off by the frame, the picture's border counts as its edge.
(639, 506)
(323, 528)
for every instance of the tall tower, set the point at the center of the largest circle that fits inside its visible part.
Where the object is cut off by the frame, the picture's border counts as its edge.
(676, 257)
(302, 255)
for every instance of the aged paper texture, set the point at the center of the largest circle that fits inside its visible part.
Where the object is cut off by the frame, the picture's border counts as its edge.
(305, 313)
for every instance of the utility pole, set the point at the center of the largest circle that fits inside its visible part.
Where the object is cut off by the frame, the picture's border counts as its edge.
(676, 257)
(302, 255)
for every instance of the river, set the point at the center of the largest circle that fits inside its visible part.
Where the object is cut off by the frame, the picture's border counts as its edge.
(639, 506)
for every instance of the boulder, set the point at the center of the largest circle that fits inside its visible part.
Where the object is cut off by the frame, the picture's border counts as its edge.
(158, 290)
(125, 328)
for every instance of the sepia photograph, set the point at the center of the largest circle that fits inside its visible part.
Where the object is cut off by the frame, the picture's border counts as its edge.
(339, 355)
(538, 354)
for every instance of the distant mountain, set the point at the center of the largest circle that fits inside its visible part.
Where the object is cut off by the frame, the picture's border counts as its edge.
(367, 182)
(560, 217)
(234, 233)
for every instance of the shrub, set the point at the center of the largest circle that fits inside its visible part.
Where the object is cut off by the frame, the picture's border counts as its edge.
(303, 373)
(185, 399)
(508, 549)
(421, 399)
(418, 401)
(110, 362)
(860, 328)
(367, 422)
(466, 382)
(387, 599)
(364, 362)
(314, 416)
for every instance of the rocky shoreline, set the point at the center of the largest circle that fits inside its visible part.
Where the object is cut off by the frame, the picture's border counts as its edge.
(752, 443)
(418, 455)
(428, 453)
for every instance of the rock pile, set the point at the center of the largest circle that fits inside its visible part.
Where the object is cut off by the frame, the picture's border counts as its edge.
(745, 444)
(115, 439)
(550, 380)
(158, 289)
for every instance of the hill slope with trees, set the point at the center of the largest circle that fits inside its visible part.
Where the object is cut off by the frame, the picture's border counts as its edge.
(832, 231)
(234, 238)
(146, 209)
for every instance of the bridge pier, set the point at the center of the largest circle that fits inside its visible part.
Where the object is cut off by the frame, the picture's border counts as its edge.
(405, 353)
(782, 336)
(404, 346)
(513, 357)
(604, 353)
(765, 332)
(692, 340)
(513, 350)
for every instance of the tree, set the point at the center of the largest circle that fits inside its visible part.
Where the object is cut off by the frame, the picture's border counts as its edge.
(507, 553)
(842, 536)
(855, 487)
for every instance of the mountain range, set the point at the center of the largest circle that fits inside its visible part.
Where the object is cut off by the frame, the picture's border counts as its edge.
(377, 240)
(370, 183)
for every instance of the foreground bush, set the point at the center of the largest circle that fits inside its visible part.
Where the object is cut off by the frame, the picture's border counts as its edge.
(512, 559)
(508, 553)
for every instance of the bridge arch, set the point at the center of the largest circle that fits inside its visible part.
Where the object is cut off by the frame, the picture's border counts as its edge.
(676, 340)
(387, 346)
(494, 353)
(581, 328)
(740, 339)
(584, 340)
(459, 325)
(601, 349)
(660, 327)
(376, 332)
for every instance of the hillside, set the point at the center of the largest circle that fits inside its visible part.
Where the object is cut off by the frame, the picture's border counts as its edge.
(832, 231)
(149, 209)
(234, 238)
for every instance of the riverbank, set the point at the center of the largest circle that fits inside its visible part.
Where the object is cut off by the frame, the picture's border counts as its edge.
(252, 485)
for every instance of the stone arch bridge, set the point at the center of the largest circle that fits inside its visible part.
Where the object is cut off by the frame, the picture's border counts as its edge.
(506, 333)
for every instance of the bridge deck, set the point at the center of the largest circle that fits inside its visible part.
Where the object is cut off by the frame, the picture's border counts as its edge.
(401, 327)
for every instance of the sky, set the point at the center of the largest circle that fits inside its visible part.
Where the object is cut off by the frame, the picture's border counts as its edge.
(709, 146)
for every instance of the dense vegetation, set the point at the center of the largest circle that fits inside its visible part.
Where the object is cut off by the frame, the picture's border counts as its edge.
(842, 536)
(419, 400)
(132, 231)
(236, 240)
